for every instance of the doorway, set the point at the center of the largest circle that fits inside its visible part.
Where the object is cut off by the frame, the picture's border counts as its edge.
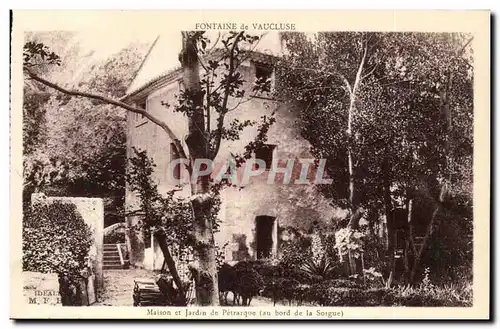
(265, 236)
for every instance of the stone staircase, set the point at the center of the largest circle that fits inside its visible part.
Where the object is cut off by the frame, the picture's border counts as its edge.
(112, 259)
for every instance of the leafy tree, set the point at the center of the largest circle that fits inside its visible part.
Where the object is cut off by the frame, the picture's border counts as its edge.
(204, 97)
(76, 146)
(385, 109)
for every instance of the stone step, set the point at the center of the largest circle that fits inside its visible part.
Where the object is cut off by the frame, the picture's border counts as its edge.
(112, 245)
(112, 267)
(114, 255)
(116, 258)
(111, 261)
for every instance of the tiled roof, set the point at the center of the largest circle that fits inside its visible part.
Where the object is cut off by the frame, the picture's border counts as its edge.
(170, 75)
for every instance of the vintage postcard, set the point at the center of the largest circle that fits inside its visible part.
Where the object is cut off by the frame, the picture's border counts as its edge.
(250, 165)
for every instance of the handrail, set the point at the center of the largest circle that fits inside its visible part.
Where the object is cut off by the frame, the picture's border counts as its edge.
(111, 228)
(120, 254)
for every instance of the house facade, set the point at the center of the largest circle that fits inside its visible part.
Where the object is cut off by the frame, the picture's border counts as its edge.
(254, 216)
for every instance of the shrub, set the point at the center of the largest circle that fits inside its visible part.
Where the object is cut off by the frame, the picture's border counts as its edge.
(296, 251)
(448, 295)
(342, 293)
(117, 236)
(280, 288)
(322, 269)
(57, 240)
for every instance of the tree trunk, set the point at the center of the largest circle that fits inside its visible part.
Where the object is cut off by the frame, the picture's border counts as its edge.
(197, 141)
(410, 245)
(446, 122)
(389, 215)
(356, 212)
(160, 237)
(354, 207)
(420, 251)
(136, 241)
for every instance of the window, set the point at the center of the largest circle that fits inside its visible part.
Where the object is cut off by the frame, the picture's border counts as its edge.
(265, 236)
(263, 78)
(265, 153)
(140, 117)
(263, 72)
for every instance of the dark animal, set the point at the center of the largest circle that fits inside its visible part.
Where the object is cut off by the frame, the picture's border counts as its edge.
(249, 283)
(226, 280)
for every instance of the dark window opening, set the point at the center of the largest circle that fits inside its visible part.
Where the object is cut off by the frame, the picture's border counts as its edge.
(264, 236)
(265, 153)
(263, 72)
(141, 105)
(263, 76)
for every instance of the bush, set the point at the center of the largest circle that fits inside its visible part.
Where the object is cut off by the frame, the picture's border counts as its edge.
(319, 269)
(448, 295)
(346, 293)
(294, 252)
(117, 236)
(57, 240)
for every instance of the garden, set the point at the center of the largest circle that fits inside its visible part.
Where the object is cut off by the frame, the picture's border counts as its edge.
(308, 275)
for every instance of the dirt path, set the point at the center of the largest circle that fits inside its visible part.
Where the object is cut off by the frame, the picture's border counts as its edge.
(119, 286)
(256, 301)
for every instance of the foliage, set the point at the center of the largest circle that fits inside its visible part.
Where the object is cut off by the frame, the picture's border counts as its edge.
(36, 53)
(117, 236)
(171, 213)
(220, 255)
(399, 95)
(319, 269)
(349, 240)
(327, 294)
(447, 295)
(450, 253)
(294, 252)
(248, 282)
(75, 146)
(401, 104)
(372, 276)
(55, 239)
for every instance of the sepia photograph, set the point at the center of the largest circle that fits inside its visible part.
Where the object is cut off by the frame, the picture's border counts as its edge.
(250, 166)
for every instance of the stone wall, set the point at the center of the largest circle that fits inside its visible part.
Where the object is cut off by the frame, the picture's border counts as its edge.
(41, 288)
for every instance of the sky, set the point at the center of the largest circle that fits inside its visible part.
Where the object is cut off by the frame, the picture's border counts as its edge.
(94, 46)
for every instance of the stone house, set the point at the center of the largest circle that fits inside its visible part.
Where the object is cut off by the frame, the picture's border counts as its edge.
(254, 217)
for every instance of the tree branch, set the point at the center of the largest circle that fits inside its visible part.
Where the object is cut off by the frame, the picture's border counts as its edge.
(220, 120)
(114, 102)
(370, 72)
(461, 50)
(337, 74)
